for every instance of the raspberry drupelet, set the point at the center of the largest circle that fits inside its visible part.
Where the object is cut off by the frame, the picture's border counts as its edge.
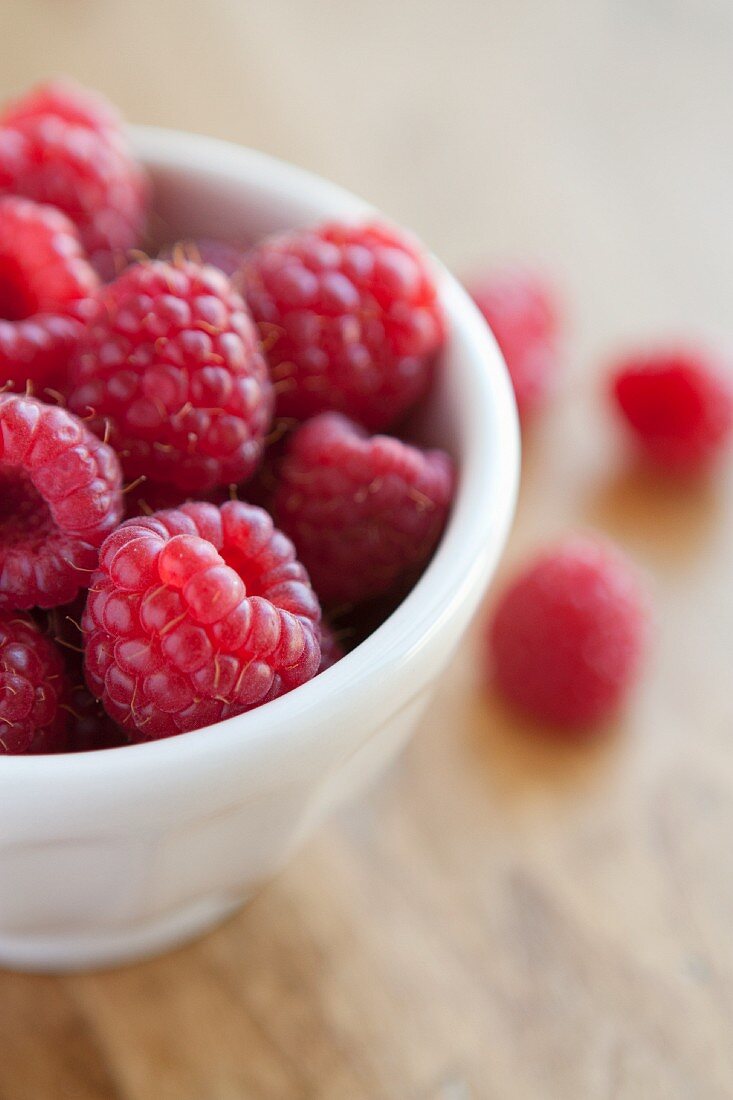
(171, 363)
(196, 615)
(45, 286)
(349, 318)
(519, 308)
(678, 407)
(33, 689)
(364, 513)
(567, 636)
(60, 495)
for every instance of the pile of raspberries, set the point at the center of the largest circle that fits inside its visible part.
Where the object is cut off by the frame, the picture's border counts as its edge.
(199, 508)
(192, 492)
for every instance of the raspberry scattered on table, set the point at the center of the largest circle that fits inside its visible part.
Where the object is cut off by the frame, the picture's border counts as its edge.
(349, 318)
(364, 512)
(566, 640)
(519, 307)
(45, 288)
(170, 366)
(678, 406)
(60, 495)
(197, 615)
(33, 689)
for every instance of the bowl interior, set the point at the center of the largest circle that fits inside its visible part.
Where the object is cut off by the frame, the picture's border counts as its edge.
(208, 188)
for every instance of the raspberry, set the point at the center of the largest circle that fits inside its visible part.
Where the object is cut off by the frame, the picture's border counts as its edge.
(331, 648)
(519, 309)
(567, 636)
(196, 615)
(45, 283)
(363, 512)
(170, 362)
(67, 100)
(33, 718)
(678, 405)
(91, 177)
(60, 495)
(350, 319)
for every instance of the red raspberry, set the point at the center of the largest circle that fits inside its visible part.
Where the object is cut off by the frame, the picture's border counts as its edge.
(678, 405)
(92, 178)
(67, 100)
(363, 512)
(350, 319)
(331, 648)
(60, 495)
(33, 687)
(196, 615)
(522, 315)
(567, 636)
(171, 363)
(45, 284)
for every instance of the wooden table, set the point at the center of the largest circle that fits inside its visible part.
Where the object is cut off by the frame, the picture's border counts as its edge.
(500, 917)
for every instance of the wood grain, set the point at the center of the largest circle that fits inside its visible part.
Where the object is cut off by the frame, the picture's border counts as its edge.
(500, 917)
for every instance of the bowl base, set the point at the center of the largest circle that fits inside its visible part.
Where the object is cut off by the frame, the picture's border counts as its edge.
(56, 954)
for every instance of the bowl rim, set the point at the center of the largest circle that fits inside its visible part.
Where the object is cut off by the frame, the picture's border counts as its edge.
(469, 549)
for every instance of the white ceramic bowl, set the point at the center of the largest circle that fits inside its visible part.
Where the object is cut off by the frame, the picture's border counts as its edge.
(107, 857)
